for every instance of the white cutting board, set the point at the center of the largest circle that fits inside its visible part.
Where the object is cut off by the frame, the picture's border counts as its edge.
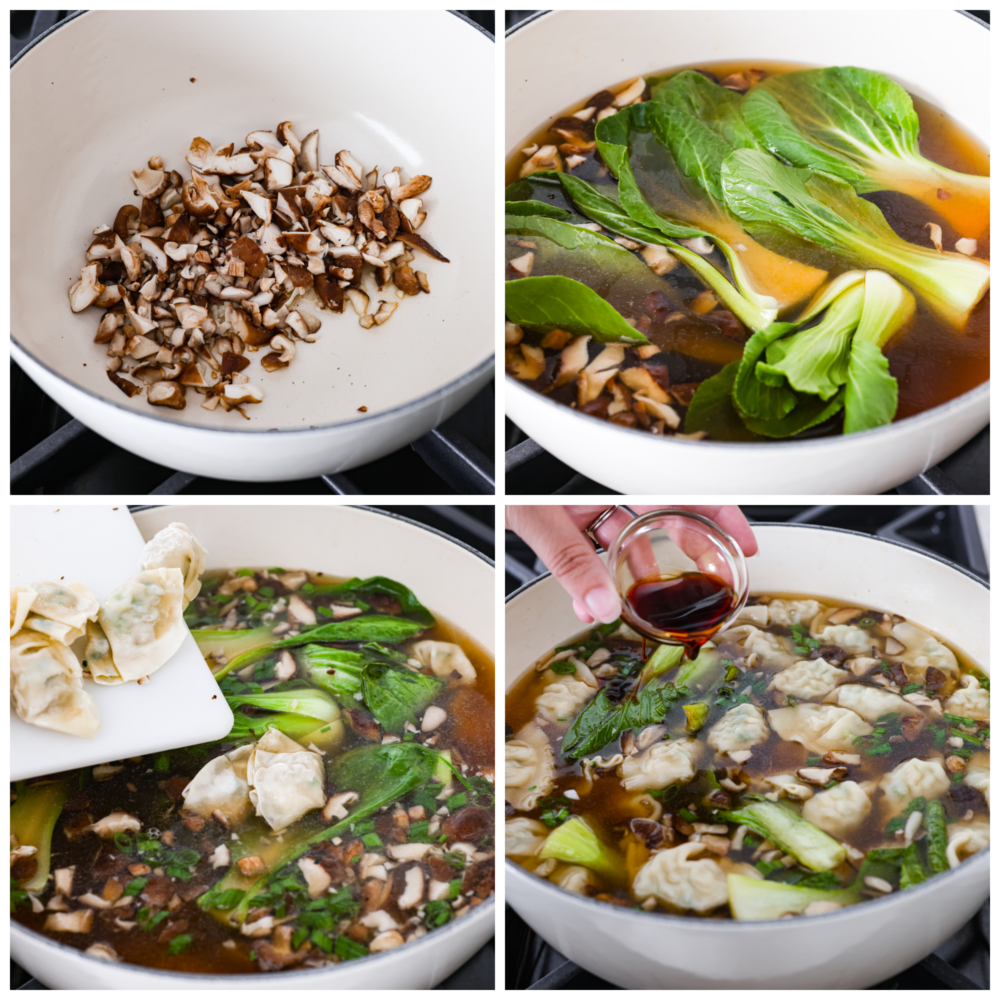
(179, 705)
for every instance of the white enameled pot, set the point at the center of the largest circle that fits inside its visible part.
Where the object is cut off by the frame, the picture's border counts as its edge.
(451, 579)
(852, 948)
(560, 57)
(407, 88)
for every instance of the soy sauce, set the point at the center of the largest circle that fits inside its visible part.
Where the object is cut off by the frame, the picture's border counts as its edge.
(685, 609)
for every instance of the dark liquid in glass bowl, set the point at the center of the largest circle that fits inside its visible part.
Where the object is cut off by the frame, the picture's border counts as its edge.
(684, 609)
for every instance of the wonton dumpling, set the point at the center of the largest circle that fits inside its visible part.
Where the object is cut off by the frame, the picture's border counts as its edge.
(741, 728)
(912, 779)
(793, 612)
(922, 649)
(286, 781)
(176, 548)
(753, 614)
(21, 599)
(575, 878)
(809, 678)
(529, 770)
(523, 837)
(221, 786)
(46, 686)
(849, 638)
(819, 728)
(773, 651)
(143, 621)
(870, 702)
(977, 774)
(661, 765)
(672, 877)
(445, 659)
(59, 632)
(99, 665)
(560, 701)
(839, 810)
(971, 701)
(965, 838)
(72, 603)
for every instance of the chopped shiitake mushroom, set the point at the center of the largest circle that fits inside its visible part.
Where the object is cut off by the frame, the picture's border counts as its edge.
(222, 263)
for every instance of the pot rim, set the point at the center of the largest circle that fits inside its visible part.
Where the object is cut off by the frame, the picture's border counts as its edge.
(981, 859)
(243, 978)
(436, 395)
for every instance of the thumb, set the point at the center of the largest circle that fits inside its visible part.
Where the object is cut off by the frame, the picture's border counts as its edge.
(569, 555)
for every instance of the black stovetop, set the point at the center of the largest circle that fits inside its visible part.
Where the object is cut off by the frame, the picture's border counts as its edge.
(473, 526)
(962, 962)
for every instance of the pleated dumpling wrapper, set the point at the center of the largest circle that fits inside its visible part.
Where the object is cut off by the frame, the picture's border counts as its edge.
(221, 787)
(46, 686)
(176, 548)
(143, 620)
(21, 599)
(285, 780)
(70, 604)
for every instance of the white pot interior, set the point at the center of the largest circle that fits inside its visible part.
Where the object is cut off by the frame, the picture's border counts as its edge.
(438, 128)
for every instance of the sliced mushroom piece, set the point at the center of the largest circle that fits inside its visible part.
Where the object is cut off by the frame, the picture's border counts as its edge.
(152, 247)
(935, 230)
(126, 222)
(84, 292)
(336, 805)
(424, 283)
(385, 310)
(546, 158)
(631, 93)
(522, 265)
(821, 775)
(419, 243)
(198, 198)
(591, 381)
(413, 210)
(412, 188)
(149, 183)
(525, 362)
(572, 360)
(116, 822)
(358, 299)
(967, 246)
(347, 173)
(105, 246)
(167, 394)
(661, 411)
(77, 922)
(406, 281)
(234, 395)
(308, 154)
(132, 257)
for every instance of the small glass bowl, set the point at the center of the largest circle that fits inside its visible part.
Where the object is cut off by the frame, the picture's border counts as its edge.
(666, 544)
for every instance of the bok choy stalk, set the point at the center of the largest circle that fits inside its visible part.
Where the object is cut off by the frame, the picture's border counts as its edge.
(826, 211)
(792, 377)
(575, 842)
(668, 163)
(379, 774)
(33, 817)
(366, 628)
(335, 670)
(232, 642)
(759, 899)
(860, 126)
(297, 713)
(786, 829)
(596, 205)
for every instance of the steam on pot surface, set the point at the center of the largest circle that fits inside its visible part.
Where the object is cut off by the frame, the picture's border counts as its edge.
(815, 756)
(349, 810)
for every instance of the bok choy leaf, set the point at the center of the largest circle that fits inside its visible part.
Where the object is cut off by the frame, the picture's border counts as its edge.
(860, 126)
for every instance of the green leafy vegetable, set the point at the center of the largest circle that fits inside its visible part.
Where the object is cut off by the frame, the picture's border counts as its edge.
(395, 695)
(297, 713)
(762, 899)
(576, 843)
(32, 819)
(335, 670)
(411, 607)
(859, 126)
(809, 845)
(535, 208)
(937, 837)
(365, 628)
(827, 212)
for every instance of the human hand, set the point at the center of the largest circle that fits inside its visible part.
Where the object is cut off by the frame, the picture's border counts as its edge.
(556, 534)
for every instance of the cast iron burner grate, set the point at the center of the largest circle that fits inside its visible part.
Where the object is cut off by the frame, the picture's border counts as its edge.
(53, 453)
(471, 526)
(962, 962)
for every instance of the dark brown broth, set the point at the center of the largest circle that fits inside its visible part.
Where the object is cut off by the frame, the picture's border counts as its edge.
(932, 363)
